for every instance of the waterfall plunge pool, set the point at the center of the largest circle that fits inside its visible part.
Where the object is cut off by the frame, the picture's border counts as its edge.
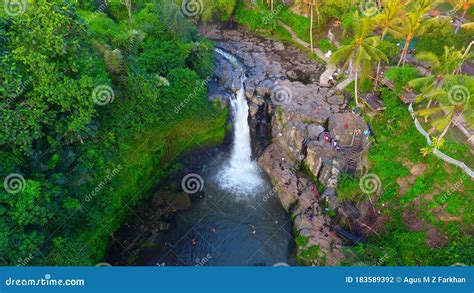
(239, 220)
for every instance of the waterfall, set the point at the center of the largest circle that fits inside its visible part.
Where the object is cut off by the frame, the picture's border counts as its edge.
(240, 174)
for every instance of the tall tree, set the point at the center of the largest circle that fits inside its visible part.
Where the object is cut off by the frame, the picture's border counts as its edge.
(414, 25)
(361, 53)
(51, 71)
(270, 2)
(389, 20)
(463, 5)
(454, 100)
(442, 68)
(310, 8)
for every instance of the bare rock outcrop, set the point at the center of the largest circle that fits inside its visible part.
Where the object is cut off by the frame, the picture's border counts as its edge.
(310, 126)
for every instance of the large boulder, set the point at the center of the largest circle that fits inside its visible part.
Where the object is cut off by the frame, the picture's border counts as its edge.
(330, 172)
(299, 196)
(257, 100)
(253, 109)
(282, 172)
(249, 89)
(314, 131)
(319, 154)
(343, 127)
(264, 88)
(292, 138)
(179, 201)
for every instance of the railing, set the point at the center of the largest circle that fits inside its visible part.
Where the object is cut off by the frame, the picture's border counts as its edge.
(437, 152)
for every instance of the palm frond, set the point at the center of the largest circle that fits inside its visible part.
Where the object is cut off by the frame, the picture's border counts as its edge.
(428, 57)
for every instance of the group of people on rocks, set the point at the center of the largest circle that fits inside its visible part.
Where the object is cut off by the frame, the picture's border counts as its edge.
(331, 140)
(310, 214)
(327, 138)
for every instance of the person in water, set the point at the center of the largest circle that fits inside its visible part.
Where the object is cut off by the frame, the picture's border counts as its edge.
(254, 229)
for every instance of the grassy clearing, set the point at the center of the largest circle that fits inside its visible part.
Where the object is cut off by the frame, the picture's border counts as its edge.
(253, 17)
(441, 197)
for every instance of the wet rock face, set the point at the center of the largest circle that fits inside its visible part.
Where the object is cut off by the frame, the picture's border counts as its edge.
(299, 196)
(308, 124)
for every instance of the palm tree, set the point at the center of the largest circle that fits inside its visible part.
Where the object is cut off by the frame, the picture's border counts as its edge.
(464, 5)
(311, 8)
(468, 25)
(464, 57)
(391, 17)
(361, 53)
(454, 100)
(442, 68)
(270, 2)
(389, 21)
(413, 25)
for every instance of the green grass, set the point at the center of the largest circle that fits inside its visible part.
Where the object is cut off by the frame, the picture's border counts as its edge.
(300, 24)
(399, 141)
(252, 17)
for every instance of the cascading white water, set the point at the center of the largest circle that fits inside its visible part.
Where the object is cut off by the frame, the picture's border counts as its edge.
(240, 174)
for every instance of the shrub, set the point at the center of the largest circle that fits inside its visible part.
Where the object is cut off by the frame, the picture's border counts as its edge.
(400, 76)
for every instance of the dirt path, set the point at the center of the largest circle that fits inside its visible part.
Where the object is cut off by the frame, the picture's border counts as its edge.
(297, 39)
(330, 69)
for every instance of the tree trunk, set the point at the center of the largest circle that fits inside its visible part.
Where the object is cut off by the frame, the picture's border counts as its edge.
(356, 90)
(458, 26)
(438, 84)
(404, 52)
(377, 75)
(311, 29)
(457, 70)
(449, 125)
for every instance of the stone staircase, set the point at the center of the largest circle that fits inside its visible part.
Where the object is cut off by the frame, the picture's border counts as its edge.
(351, 154)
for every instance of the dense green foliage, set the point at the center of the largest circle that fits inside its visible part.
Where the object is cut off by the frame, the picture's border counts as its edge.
(87, 157)
(439, 34)
(400, 76)
(98, 98)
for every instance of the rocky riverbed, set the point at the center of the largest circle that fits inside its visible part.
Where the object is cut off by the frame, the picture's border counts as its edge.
(314, 137)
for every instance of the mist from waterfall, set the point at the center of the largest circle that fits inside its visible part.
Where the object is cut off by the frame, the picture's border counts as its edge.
(240, 174)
